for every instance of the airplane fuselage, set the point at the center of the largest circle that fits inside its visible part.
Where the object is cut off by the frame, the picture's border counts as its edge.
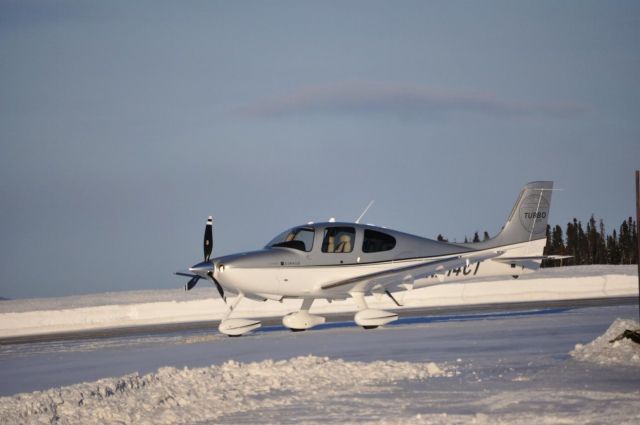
(280, 272)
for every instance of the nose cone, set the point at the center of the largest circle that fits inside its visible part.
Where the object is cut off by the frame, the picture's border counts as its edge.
(201, 269)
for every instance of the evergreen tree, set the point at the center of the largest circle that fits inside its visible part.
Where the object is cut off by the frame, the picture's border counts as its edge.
(476, 237)
(548, 249)
(583, 245)
(596, 246)
(613, 249)
(626, 240)
(602, 245)
(555, 245)
(572, 241)
(634, 241)
(441, 238)
(486, 236)
(592, 241)
(569, 247)
(557, 241)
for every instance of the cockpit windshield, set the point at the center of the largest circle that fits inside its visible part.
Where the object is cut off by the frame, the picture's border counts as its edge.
(300, 238)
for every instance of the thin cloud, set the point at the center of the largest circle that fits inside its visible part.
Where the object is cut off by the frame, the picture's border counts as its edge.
(385, 98)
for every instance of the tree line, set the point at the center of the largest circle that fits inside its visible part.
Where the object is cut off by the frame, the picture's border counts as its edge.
(593, 245)
(590, 245)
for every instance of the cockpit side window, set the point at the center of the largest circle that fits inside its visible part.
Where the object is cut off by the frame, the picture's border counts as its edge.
(300, 238)
(375, 241)
(338, 239)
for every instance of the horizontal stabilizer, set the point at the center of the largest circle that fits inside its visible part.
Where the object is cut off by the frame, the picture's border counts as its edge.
(530, 262)
(531, 258)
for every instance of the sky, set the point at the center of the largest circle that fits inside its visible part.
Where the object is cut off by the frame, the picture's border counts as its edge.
(124, 124)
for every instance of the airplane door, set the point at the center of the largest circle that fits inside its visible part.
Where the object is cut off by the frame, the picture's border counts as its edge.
(339, 245)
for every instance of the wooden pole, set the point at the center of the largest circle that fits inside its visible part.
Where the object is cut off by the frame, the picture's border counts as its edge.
(638, 233)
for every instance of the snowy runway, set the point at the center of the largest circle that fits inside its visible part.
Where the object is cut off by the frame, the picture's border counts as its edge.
(510, 367)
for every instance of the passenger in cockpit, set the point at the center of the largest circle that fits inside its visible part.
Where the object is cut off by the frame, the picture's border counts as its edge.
(344, 245)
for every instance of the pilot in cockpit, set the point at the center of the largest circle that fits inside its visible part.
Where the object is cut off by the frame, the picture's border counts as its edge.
(331, 246)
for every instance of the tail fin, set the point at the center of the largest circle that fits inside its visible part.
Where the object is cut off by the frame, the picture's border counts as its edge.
(528, 219)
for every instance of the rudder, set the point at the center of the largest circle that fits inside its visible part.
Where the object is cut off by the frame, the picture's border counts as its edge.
(528, 218)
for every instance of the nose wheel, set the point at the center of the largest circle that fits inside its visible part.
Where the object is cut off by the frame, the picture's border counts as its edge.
(237, 327)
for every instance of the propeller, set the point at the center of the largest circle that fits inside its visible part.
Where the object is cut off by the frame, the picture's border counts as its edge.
(206, 266)
(192, 282)
(218, 287)
(208, 239)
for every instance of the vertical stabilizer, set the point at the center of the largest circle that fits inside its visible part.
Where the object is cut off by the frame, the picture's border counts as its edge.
(528, 219)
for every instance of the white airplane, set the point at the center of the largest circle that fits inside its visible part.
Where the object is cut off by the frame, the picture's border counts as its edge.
(340, 260)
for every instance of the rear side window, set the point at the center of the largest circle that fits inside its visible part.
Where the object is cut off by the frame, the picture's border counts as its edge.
(375, 241)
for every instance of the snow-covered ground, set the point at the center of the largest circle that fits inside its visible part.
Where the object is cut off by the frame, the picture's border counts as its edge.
(185, 395)
(608, 349)
(135, 308)
(503, 367)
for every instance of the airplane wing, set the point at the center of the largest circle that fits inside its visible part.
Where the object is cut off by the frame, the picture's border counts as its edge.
(409, 273)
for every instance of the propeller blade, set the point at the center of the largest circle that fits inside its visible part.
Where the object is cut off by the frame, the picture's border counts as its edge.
(185, 273)
(208, 239)
(218, 287)
(192, 282)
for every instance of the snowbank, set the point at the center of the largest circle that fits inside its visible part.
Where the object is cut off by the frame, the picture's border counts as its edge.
(623, 352)
(202, 395)
(135, 308)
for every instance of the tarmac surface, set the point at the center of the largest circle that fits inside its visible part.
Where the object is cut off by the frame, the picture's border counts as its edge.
(330, 318)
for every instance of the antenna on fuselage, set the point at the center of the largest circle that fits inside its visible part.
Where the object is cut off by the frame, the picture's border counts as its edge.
(365, 211)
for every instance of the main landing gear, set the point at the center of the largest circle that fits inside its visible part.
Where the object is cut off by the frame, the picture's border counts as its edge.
(366, 317)
(302, 320)
(370, 318)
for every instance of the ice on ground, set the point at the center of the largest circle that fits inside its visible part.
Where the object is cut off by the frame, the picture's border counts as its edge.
(197, 395)
(623, 352)
(510, 370)
(535, 407)
(139, 308)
